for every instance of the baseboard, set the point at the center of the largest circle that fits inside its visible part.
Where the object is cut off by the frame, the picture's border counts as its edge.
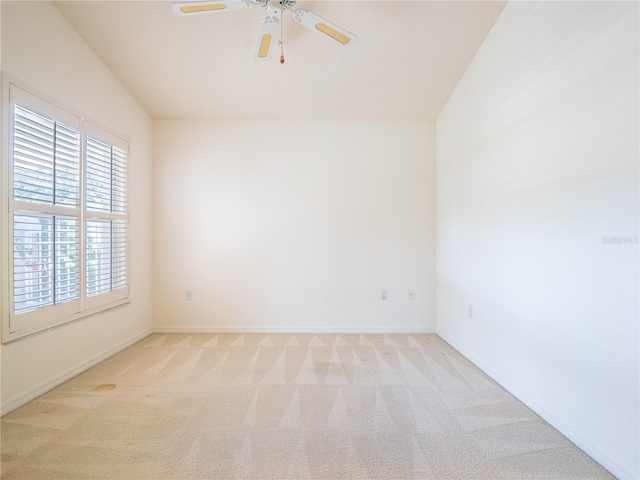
(256, 329)
(587, 445)
(44, 387)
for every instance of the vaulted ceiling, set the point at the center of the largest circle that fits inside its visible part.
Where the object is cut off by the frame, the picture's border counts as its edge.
(408, 58)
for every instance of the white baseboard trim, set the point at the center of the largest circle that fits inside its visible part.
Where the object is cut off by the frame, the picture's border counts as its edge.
(256, 329)
(591, 448)
(44, 387)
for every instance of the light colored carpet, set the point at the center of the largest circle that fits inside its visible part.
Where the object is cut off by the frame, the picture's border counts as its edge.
(285, 406)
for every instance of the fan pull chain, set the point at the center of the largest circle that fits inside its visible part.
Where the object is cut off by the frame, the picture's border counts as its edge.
(282, 35)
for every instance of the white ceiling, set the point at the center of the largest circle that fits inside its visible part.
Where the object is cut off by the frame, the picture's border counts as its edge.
(408, 59)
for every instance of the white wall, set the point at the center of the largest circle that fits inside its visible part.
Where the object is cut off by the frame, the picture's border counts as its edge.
(537, 162)
(296, 226)
(41, 50)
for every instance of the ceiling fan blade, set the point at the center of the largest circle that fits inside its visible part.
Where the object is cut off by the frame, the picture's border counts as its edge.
(330, 30)
(267, 38)
(197, 8)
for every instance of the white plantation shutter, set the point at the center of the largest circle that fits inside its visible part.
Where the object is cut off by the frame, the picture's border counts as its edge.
(99, 175)
(46, 160)
(106, 224)
(32, 261)
(45, 261)
(106, 177)
(68, 217)
(106, 255)
(33, 156)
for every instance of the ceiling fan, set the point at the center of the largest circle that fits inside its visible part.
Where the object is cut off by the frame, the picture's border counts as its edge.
(270, 25)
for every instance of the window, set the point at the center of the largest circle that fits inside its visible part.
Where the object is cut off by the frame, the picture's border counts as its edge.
(67, 223)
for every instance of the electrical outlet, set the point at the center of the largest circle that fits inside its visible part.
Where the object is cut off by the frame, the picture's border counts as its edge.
(412, 294)
(188, 294)
(384, 294)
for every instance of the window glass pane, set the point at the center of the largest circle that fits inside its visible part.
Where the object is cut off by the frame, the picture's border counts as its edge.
(98, 256)
(67, 276)
(99, 175)
(32, 261)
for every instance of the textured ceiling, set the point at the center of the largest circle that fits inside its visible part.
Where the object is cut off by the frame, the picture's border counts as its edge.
(407, 61)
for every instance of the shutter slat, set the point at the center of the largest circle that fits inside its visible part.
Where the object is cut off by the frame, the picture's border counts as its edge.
(30, 148)
(98, 170)
(32, 164)
(31, 178)
(24, 116)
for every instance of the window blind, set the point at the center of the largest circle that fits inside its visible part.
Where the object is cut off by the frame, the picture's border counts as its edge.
(45, 260)
(106, 177)
(46, 160)
(67, 216)
(106, 237)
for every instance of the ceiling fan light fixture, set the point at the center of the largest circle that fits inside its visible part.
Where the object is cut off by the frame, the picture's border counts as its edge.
(271, 24)
(327, 30)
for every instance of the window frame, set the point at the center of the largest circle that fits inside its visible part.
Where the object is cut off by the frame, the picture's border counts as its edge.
(22, 324)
